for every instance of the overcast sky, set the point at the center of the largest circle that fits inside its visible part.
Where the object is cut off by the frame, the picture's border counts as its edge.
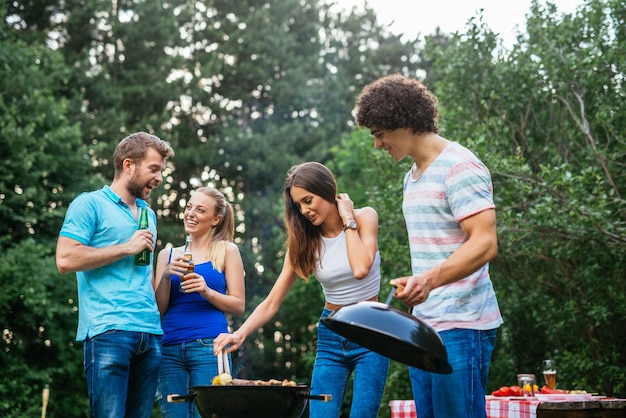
(413, 17)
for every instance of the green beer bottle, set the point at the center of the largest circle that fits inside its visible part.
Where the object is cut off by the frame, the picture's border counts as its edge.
(143, 258)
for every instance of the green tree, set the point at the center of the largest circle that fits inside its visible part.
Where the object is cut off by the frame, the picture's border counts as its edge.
(241, 90)
(277, 90)
(544, 118)
(43, 166)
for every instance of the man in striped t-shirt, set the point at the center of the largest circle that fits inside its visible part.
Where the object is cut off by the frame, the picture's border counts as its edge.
(451, 221)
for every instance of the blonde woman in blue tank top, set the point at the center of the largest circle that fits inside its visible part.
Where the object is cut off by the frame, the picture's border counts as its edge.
(192, 317)
(338, 244)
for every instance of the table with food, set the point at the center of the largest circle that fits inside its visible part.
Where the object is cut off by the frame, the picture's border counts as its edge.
(508, 402)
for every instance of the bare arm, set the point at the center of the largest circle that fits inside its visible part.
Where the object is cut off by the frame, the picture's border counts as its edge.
(161, 282)
(72, 256)
(363, 243)
(262, 313)
(480, 248)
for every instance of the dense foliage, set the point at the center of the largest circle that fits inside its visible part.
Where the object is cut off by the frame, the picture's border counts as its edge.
(243, 90)
(546, 118)
(43, 164)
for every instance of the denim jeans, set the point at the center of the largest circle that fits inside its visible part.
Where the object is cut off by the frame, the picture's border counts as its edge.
(462, 393)
(335, 360)
(122, 370)
(184, 365)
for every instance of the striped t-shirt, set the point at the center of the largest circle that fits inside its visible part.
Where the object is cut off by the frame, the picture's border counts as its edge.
(454, 187)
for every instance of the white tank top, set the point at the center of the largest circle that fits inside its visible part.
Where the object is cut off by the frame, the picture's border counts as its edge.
(336, 277)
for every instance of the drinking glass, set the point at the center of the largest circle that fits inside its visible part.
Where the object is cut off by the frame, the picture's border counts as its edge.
(549, 373)
(526, 383)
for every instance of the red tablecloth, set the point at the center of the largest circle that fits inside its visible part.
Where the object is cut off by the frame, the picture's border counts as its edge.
(402, 409)
(496, 408)
(511, 408)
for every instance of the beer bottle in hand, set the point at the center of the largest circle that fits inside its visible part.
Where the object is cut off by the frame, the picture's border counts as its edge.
(143, 258)
(189, 257)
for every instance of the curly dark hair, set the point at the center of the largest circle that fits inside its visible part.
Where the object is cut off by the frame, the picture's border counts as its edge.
(396, 102)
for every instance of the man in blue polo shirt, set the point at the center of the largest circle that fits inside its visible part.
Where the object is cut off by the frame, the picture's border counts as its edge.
(118, 318)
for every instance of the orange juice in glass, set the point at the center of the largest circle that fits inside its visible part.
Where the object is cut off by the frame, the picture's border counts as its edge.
(526, 383)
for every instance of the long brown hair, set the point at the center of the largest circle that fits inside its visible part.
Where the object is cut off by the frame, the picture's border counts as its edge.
(304, 240)
(224, 232)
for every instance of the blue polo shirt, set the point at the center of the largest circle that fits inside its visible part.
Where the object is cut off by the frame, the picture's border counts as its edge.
(119, 295)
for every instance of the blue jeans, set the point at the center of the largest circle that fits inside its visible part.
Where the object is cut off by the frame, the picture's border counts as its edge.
(184, 365)
(462, 393)
(335, 360)
(122, 369)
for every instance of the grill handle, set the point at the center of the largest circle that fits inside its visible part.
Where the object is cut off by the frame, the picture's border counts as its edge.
(176, 398)
(323, 398)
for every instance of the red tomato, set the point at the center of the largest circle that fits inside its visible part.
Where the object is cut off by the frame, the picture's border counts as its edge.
(505, 390)
(515, 391)
(546, 390)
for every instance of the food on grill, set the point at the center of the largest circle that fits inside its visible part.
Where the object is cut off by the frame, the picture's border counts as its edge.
(218, 380)
(271, 382)
(223, 370)
(222, 379)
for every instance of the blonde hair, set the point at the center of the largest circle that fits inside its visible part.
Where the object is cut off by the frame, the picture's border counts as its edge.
(217, 254)
(223, 233)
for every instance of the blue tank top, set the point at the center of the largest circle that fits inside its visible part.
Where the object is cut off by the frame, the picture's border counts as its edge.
(189, 315)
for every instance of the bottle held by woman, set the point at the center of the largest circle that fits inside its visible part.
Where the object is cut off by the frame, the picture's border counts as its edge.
(188, 255)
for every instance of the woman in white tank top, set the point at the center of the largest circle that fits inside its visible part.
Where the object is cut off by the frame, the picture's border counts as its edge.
(338, 244)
